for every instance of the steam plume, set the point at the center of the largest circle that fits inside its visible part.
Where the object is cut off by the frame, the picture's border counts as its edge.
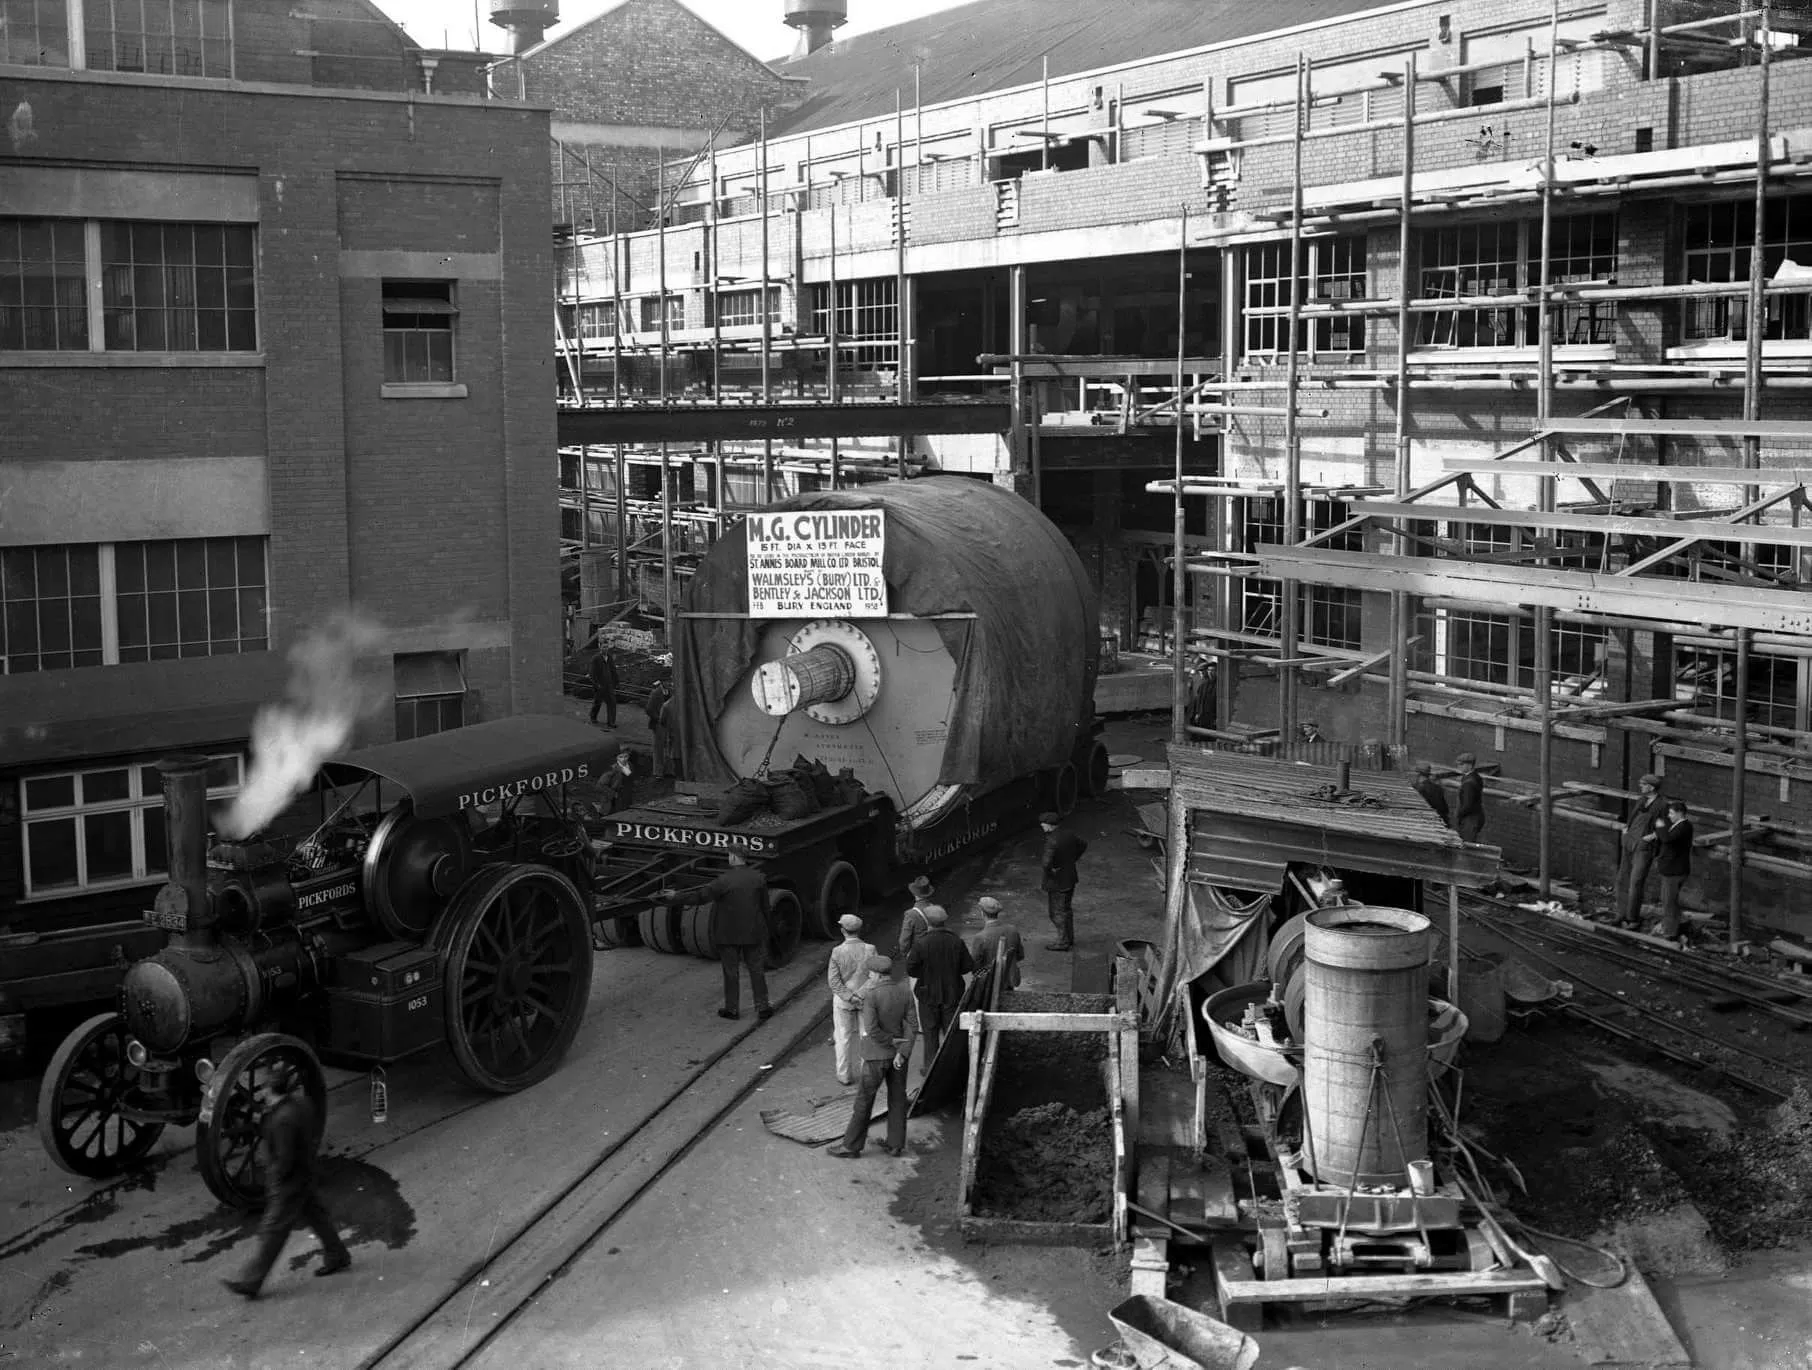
(328, 693)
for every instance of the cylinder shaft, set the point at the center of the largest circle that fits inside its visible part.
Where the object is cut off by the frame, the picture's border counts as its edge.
(819, 676)
(1365, 1053)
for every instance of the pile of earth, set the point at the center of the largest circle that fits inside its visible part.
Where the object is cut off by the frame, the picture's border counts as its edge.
(1048, 1163)
(1755, 1187)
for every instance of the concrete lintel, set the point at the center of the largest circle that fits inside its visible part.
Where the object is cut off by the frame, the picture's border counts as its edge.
(366, 263)
(1016, 249)
(631, 135)
(68, 192)
(452, 635)
(129, 501)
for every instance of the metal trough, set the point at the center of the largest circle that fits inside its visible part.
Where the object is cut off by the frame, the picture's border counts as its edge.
(1161, 1334)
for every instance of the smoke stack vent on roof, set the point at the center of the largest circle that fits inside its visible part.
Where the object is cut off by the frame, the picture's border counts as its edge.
(527, 20)
(815, 20)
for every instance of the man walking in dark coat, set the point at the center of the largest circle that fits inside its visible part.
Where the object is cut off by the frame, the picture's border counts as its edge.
(939, 962)
(1469, 815)
(1671, 841)
(604, 687)
(1425, 785)
(890, 1022)
(287, 1153)
(739, 927)
(1062, 850)
(657, 707)
(1638, 853)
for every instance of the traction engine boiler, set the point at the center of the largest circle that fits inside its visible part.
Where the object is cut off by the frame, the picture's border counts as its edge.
(453, 914)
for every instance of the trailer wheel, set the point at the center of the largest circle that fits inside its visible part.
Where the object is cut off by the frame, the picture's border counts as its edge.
(695, 930)
(231, 1123)
(784, 920)
(80, 1103)
(1063, 791)
(517, 973)
(1095, 768)
(609, 934)
(840, 892)
(660, 928)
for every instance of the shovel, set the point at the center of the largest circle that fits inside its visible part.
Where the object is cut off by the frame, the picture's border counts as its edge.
(1501, 1240)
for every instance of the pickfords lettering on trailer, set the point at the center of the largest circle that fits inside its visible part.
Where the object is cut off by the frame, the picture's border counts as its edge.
(693, 837)
(511, 788)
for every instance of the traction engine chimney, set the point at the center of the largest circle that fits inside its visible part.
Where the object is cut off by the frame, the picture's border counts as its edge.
(183, 902)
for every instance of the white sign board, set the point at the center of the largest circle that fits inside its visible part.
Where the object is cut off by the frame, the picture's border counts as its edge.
(822, 563)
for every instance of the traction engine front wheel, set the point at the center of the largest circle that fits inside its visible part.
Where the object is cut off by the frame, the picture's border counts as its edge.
(232, 1117)
(517, 945)
(81, 1103)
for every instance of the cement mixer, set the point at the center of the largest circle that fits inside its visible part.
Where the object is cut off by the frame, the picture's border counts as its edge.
(1340, 1047)
(933, 642)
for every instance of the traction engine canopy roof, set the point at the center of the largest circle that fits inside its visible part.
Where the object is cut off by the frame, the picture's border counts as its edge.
(483, 763)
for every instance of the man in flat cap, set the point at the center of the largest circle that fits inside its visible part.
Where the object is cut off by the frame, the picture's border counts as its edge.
(997, 941)
(912, 923)
(938, 964)
(1062, 850)
(1469, 815)
(848, 976)
(890, 1023)
(1425, 785)
(1638, 855)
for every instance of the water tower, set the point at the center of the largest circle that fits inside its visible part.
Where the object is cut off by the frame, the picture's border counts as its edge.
(815, 19)
(526, 20)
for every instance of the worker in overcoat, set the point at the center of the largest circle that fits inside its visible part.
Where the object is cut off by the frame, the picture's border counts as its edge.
(890, 1024)
(1638, 855)
(1430, 789)
(603, 674)
(1672, 841)
(1062, 850)
(659, 711)
(288, 1133)
(739, 927)
(938, 964)
(997, 941)
(1469, 814)
(912, 922)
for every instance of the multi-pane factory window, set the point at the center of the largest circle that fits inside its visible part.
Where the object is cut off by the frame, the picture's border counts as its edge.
(1331, 613)
(34, 33)
(1719, 239)
(43, 285)
(651, 313)
(178, 288)
(742, 308)
(1261, 601)
(597, 321)
(170, 37)
(190, 597)
(1500, 648)
(1705, 679)
(1332, 269)
(1514, 60)
(867, 312)
(103, 826)
(51, 600)
(420, 319)
(430, 693)
(100, 604)
(1503, 257)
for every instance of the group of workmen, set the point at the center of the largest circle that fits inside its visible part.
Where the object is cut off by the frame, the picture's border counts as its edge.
(1657, 838)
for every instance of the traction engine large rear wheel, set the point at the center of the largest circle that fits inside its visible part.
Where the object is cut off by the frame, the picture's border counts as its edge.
(81, 1100)
(232, 1118)
(518, 973)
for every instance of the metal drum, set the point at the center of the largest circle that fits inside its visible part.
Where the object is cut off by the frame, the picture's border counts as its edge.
(1366, 1001)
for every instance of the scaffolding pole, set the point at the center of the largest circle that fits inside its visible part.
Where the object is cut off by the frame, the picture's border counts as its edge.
(899, 269)
(668, 615)
(1544, 615)
(1400, 615)
(1288, 590)
(1179, 721)
(767, 323)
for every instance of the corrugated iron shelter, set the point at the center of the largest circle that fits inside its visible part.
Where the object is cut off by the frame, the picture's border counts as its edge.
(1238, 821)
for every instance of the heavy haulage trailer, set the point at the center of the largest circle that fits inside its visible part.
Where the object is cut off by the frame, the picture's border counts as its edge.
(962, 702)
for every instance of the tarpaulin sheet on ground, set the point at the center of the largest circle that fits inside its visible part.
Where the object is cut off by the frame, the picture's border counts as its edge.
(1025, 663)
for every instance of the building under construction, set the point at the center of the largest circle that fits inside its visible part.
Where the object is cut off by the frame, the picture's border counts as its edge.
(1437, 368)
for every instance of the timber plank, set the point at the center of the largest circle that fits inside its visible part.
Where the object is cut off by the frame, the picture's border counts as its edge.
(1153, 1187)
(1624, 1327)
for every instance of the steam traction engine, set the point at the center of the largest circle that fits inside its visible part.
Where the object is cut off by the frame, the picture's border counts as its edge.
(453, 913)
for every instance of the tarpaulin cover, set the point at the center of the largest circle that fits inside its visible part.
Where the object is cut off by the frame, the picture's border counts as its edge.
(1025, 664)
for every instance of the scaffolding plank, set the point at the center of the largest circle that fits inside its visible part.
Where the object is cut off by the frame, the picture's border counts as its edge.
(1672, 530)
(697, 422)
(1687, 428)
(1734, 606)
(1728, 475)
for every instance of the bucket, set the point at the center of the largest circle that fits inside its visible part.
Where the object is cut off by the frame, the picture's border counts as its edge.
(1482, 1000)
(1162, 1334)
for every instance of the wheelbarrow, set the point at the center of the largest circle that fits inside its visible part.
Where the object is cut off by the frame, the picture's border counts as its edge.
(1161, 1334)
(1154, 826)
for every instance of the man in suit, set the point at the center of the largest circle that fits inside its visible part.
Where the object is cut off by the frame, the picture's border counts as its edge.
(912, 922)
(997, 941)
(604, 687)
(289, 1129)
(938, 963)
(1469, 815)
(1062, 850)
(739, 926)
(1425, 785)
(657, 709)
(848, 977)
(618, 784)
(1671, 839)
(890, 1024)
(1638, 855)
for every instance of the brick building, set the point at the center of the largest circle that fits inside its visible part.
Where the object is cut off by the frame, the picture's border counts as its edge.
(1008, 179)
(273, 303)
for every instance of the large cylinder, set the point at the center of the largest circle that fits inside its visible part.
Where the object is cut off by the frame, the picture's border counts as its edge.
(1365, 1050)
